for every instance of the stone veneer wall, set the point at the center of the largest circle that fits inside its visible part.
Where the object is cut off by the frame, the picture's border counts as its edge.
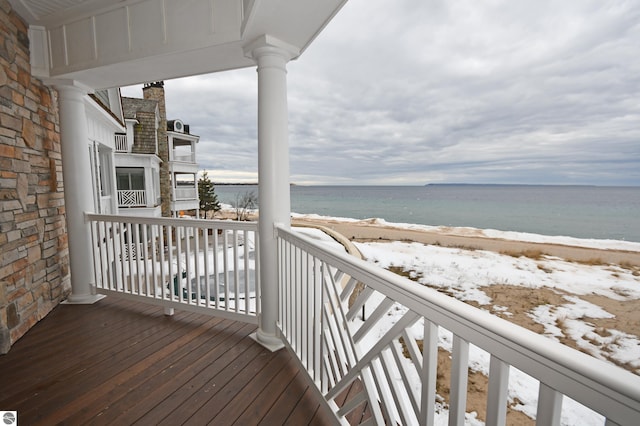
(34, 261)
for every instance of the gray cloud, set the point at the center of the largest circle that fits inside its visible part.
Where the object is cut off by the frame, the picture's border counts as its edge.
(443, 91)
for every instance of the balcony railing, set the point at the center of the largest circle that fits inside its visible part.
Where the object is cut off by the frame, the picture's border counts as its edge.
(322, 321)
(186, 193)
(334, 316)
(121, 143)
(132, 198)
(197, 265)
(185, 157)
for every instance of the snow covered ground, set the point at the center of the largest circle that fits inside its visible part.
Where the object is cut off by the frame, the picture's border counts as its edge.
(467, 274)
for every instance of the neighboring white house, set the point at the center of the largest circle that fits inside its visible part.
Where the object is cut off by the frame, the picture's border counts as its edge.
(183, 168)
(125, 144)
(155, 159)
(136, 161)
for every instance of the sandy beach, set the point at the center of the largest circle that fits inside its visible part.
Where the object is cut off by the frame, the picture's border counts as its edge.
(470, 238)
(369, 230)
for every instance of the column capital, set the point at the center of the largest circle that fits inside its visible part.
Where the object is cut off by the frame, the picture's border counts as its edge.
(68, 84)
(269, 45)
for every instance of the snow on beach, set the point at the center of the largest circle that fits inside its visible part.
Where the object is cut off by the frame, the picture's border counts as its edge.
(464, 273)
(486, 233)
(469, 275)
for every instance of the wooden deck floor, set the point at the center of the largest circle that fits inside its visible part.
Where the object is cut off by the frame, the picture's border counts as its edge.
(119, 362)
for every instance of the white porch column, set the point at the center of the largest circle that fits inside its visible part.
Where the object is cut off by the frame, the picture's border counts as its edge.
(271, 56)
(78, 191)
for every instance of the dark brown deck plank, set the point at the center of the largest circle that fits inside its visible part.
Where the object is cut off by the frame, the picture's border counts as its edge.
(258, 408)
(322, 417)
(120, 362)
(305, 410)
(127, 394)
(110, 371)
(103, 313)
(221, 388)
(140, 358)
(236, 395)
(203, 386)
(42, 346)
(361, 412)
(76, 337)
(85, 352)
(285, 403)
(155, 396)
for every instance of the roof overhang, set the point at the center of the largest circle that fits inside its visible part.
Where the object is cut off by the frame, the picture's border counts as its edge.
(101, 43)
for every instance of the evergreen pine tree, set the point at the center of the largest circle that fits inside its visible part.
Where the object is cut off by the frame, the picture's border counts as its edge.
(206, 193)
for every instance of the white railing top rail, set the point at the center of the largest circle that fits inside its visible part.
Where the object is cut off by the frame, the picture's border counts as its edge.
(603, 387)
(195, 223)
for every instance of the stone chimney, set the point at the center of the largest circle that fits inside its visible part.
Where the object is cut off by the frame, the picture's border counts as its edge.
(155, 91)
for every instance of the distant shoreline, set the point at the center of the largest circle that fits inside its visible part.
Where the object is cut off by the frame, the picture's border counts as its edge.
(580, 212)
(472, 239)
(469, 238)
(234, 184)
(523, 184)
(556, 185)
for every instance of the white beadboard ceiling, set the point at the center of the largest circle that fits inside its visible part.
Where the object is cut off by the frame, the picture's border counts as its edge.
(107, 43)
(44, 12)
(42, 8)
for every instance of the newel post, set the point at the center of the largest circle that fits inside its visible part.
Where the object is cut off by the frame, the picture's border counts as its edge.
(78, 191)
(271, 56)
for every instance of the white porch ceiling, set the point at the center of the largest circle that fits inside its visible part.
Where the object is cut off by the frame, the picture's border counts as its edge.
(106, 43)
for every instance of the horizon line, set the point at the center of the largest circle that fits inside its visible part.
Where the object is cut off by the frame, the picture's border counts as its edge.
(441, 184)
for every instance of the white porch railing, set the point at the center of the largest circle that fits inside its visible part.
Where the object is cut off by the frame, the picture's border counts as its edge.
(197, 265)
(132, 198)
(336, 346)
(121, 143)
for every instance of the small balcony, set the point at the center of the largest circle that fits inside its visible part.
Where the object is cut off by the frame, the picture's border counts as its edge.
(121, 142)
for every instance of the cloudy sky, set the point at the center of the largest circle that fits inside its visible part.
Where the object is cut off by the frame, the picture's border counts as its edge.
(433, 91)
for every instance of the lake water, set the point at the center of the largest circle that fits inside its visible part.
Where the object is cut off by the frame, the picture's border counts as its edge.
(575, 211)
